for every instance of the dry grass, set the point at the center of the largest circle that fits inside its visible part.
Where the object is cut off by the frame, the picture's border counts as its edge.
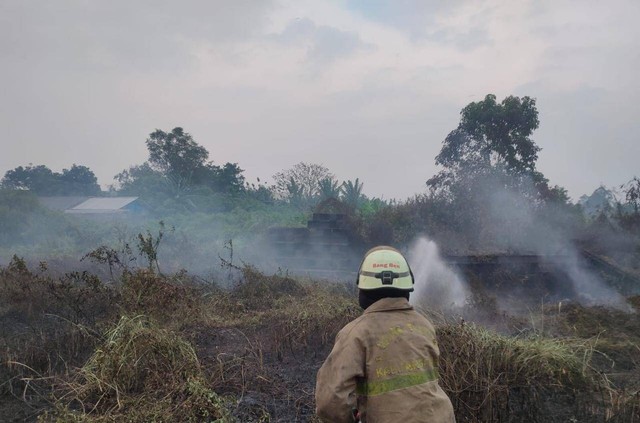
(491, 377)
(250, 353)
(140, 373)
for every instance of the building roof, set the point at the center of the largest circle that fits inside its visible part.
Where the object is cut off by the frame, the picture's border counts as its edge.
(61, 203)
(102, 205)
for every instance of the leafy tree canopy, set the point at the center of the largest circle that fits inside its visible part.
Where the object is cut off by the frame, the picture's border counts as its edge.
(491, 138)
(178, 165)
(175, 154)
(77, 180)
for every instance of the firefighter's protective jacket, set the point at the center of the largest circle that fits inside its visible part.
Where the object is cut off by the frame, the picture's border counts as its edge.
(385, 365)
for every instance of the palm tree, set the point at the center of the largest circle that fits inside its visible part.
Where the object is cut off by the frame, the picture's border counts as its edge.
(329, 188)
(352, 193)
(295, 192)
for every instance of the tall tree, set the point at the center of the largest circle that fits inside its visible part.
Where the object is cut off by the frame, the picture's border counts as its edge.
(329, 188)
(632, 193)
(176, 154)
(295, 193)
(176, 165)
(352, 193)
(306, 176)
(491, 138)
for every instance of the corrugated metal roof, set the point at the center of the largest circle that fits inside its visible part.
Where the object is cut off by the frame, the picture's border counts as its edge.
(102, 205)
(61, 203)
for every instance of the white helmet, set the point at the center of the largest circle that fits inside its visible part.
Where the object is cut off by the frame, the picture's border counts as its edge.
(385, 267)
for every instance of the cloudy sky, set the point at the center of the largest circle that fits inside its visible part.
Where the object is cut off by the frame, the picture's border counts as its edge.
(368, 88)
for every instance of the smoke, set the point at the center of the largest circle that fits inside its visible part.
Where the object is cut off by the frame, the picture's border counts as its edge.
(436, 285)
(520, 225)
(588, 287)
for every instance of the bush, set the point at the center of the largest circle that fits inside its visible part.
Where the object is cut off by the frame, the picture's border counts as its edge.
(140, 373)
(491, 377)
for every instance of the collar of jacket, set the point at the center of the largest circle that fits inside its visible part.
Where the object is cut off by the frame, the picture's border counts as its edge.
(388, 304)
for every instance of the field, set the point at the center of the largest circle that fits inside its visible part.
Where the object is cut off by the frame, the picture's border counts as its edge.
(144, 346)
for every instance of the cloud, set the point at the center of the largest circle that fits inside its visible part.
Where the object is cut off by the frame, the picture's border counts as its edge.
(323, 44)
(119, 35)
(452, 23)
(268, 84)
(415, 17)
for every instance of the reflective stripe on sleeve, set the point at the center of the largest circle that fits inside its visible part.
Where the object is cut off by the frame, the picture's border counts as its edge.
(378, 387)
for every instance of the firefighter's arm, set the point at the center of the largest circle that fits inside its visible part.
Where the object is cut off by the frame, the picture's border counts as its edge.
(336, 384)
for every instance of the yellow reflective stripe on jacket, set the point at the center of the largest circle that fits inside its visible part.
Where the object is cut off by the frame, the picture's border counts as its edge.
(378, 387)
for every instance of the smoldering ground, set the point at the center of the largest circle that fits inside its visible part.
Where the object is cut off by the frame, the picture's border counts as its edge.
(504, 226)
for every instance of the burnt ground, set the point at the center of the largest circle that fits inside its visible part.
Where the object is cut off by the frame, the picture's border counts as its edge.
(263, 382)
(261, 343)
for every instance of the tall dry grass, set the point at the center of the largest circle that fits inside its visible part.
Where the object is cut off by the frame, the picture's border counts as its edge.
(174, 348)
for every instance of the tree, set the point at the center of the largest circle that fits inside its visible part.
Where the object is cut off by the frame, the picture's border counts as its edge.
(305, 177)
(178, 165)
(140, 180)
(489, 182)
(77, 180)
(632, 193)
(295, 194)
(227, 178)
(491, 138)
(176, 155)
(39, 179)
(352, 193)
(329, 188)
(601, 201)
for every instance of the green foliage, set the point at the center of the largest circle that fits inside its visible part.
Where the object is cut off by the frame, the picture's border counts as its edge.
(25, 225)
(140, 180)
(352, 193)
(77, 180)
(492, 139)
(178, 169)
(329, 188)
(176, 155)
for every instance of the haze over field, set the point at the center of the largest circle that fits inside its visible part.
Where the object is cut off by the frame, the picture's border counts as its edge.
(351, 85)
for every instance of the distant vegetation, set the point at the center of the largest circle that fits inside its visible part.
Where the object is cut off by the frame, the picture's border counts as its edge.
(488, 195)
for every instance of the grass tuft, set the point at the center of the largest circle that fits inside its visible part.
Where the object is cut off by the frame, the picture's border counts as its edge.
(493, 377)
(140, 373)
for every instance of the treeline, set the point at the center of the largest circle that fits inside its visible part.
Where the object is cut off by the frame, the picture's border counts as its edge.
(179, 175)
(77, 180)
(488, 193)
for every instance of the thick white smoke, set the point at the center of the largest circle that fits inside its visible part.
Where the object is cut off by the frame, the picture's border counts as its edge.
(589, 288)
(436, 284)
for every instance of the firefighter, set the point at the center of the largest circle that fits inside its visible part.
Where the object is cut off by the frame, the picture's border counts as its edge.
(384, 365)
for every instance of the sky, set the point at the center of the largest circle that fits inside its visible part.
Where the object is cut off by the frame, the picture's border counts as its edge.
(367, 88)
